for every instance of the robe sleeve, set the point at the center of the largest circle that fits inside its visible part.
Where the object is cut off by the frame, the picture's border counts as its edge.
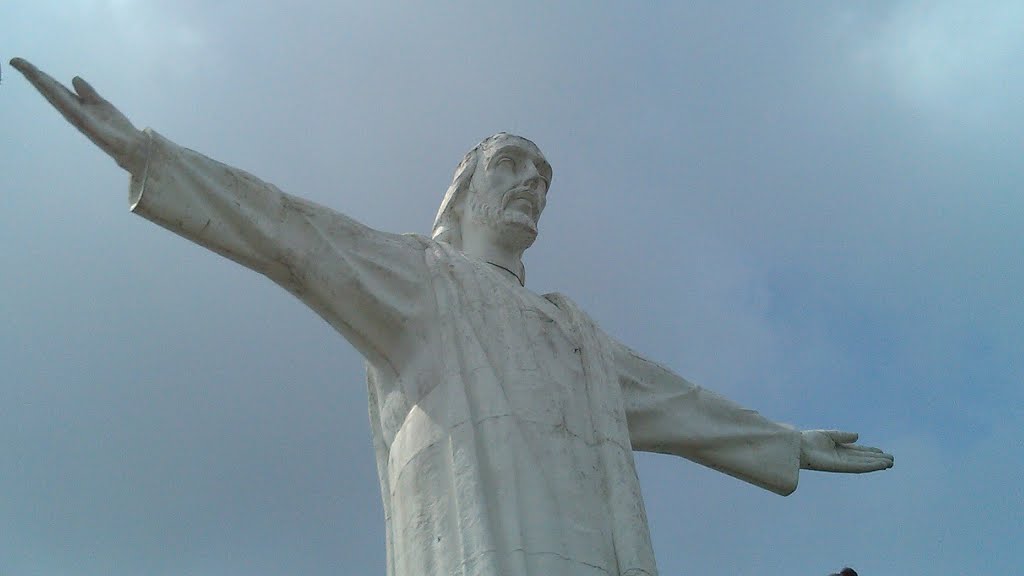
(367, 284)
(670, 415)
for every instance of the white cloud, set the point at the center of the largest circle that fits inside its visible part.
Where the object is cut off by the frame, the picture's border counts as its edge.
(808, 248)
(952, 59)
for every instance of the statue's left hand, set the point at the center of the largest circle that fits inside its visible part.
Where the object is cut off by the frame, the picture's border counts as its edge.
(95, 117)
(835, 451)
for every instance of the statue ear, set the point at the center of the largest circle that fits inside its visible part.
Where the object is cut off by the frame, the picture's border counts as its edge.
(461, 199)
(463, 187)
(459, 207)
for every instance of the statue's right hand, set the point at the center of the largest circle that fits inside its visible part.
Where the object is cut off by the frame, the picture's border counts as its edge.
(98, 119)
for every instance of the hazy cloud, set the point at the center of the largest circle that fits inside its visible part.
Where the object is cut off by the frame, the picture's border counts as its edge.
(813, 211)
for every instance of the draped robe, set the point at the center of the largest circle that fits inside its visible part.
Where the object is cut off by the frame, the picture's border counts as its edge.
(503, 422)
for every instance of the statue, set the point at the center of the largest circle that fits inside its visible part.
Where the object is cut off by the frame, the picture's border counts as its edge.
(504, 422)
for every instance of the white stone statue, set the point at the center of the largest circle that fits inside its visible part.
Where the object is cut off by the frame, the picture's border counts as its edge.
(504, 422)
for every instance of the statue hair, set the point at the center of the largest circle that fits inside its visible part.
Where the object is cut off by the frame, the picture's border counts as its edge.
(446, 223)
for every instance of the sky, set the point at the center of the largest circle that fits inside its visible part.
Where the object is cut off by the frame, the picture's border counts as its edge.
(812, 208)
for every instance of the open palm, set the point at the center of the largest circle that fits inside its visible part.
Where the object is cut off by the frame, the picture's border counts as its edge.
(835, 451)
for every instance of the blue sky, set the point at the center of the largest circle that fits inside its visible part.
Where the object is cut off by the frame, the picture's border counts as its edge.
(814, 209)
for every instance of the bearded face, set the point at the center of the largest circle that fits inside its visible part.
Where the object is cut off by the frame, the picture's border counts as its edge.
(515, 221)
(508, 192)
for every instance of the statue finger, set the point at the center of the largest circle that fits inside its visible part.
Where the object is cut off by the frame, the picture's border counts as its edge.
(870, 464)
(65, 101)
(86, 92)
(866, 454)
(840, 437)
(880, 464)
(885, 459)
(863, 448)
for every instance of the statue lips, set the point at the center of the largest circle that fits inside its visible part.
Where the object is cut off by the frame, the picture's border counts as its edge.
(524, 194)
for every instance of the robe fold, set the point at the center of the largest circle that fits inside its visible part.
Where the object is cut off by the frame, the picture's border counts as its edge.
(503, 422)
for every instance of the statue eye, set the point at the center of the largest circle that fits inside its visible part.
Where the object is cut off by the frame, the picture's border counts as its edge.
(506, 162)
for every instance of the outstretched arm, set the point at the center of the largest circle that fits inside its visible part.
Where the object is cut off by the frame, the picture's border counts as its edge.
(367, 284)
(668, 414)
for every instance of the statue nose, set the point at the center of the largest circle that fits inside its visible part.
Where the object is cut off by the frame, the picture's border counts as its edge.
(533, 178)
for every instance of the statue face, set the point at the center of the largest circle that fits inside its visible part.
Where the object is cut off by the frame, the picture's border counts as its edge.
(509, 190)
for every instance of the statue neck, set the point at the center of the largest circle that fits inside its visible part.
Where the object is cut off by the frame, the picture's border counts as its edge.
(510, 262)
(519, 276)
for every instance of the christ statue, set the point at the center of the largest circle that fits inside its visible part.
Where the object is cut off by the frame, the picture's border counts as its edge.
(504, 422)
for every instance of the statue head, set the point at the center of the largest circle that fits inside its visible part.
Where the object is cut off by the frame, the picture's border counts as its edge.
(501, 183)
